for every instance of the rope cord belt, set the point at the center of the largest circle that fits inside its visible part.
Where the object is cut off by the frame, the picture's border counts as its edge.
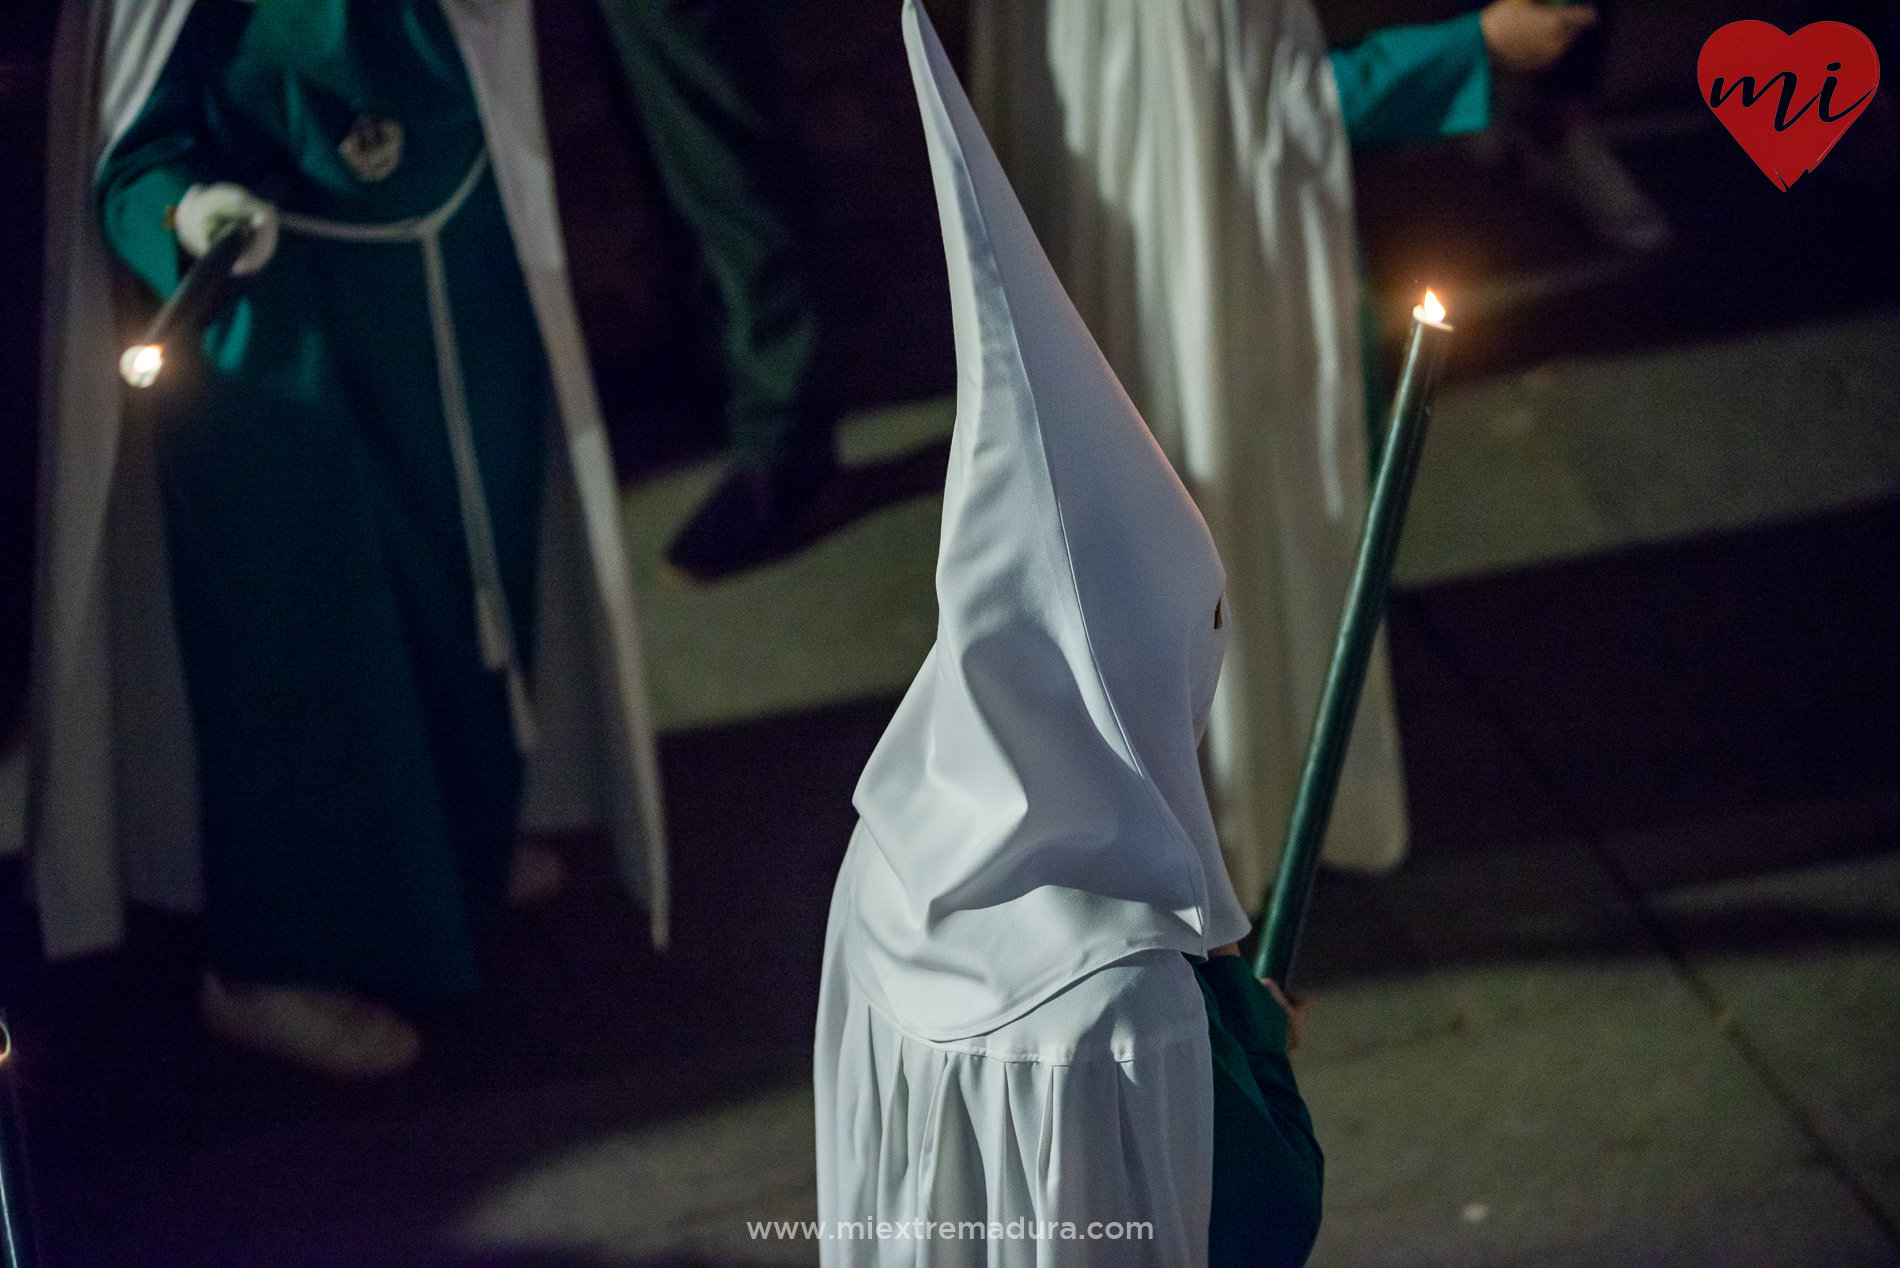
(493, 627)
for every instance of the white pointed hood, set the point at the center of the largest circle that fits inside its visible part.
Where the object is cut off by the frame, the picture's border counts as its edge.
(1035, 810)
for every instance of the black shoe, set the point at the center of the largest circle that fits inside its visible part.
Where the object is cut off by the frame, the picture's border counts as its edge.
(752, 517)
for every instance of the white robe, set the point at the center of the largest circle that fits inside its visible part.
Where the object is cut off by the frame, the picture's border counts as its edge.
(1091, 1112)
(1009, 1030)
(112, 813)
(1185, 166)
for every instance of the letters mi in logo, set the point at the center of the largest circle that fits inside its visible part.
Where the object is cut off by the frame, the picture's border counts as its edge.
(1788, 98)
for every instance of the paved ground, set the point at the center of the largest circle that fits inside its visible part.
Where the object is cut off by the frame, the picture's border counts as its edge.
(1632, 999)
(1635, 997)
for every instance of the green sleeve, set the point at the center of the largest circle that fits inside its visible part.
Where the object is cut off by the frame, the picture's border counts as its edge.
(164, 153)
(1268, 1169)
(1410, 83)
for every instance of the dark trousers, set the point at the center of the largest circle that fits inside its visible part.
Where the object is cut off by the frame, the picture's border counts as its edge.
(701, 76)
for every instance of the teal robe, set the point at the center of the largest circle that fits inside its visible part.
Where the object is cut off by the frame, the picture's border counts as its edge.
(359, 783)
(1412, 83)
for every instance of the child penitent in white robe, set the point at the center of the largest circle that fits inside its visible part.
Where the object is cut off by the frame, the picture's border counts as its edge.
(1014, 1058)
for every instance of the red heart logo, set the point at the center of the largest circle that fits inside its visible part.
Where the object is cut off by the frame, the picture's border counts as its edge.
(1788, 98)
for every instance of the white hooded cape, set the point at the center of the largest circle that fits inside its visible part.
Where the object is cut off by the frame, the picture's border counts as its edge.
(112, 811)
(1008, 1029)
(1185, 165)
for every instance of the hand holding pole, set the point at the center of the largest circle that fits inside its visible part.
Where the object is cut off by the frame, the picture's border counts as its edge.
(204, 287)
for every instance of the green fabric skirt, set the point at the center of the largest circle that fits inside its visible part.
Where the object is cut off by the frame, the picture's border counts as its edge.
(358, 775)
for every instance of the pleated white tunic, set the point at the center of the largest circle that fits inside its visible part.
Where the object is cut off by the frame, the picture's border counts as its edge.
(1088, 1115)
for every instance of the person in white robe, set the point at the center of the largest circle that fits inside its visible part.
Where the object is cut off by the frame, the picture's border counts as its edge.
(1186, 165)
(1020, 1057)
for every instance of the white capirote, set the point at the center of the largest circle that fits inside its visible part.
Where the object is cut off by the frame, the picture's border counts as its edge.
(1008, 1027)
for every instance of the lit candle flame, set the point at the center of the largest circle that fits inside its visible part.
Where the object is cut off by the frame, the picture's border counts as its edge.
(140, 365)
(1431, 310)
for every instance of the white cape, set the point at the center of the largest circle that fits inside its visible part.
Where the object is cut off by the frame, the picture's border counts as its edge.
(112, 813)
(1012, 1061)
(1185, 166)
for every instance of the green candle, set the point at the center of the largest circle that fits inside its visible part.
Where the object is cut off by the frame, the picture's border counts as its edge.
(1365, 608)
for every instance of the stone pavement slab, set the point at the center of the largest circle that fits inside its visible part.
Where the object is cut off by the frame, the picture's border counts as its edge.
(1588, 454)
(1561, 461)
(688, 1188)
(1816, 998)
(1558, 1113)
(848, 619)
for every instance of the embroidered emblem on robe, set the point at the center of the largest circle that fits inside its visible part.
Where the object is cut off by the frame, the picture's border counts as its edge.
(373, 149)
